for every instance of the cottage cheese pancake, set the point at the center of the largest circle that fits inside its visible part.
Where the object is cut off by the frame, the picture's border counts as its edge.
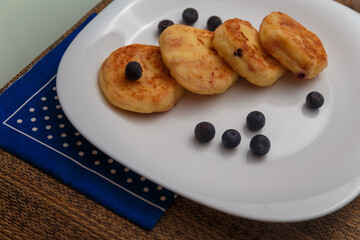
(238, 43)
(155, 91)
(189, 54)
(294, 46)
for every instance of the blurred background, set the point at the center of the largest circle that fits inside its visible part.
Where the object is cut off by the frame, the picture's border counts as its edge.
(28, 27)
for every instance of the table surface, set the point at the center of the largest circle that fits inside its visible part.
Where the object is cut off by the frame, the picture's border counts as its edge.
(34, 205)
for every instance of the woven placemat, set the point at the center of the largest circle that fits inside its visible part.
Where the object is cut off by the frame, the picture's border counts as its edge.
(34, 205)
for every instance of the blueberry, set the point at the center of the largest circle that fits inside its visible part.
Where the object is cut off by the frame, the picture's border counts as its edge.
(213, 22)
(314, 100)
(133, 71)
(190, 15)
(255, 120)
(301, 75)
(231, 138)
(238, 52)
(260, 145)
(164, 24)
(204, 131)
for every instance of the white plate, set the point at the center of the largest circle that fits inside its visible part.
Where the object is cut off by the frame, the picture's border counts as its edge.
(313, 167)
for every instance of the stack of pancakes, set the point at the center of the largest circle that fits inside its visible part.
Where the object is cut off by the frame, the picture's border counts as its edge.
(206, 62)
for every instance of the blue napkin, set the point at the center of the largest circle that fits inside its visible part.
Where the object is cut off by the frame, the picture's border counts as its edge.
(34, 128)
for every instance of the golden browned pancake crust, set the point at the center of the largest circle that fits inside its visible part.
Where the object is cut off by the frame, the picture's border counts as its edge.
(189, 54)
(294, 46)
(155, 91)
(238, 43)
